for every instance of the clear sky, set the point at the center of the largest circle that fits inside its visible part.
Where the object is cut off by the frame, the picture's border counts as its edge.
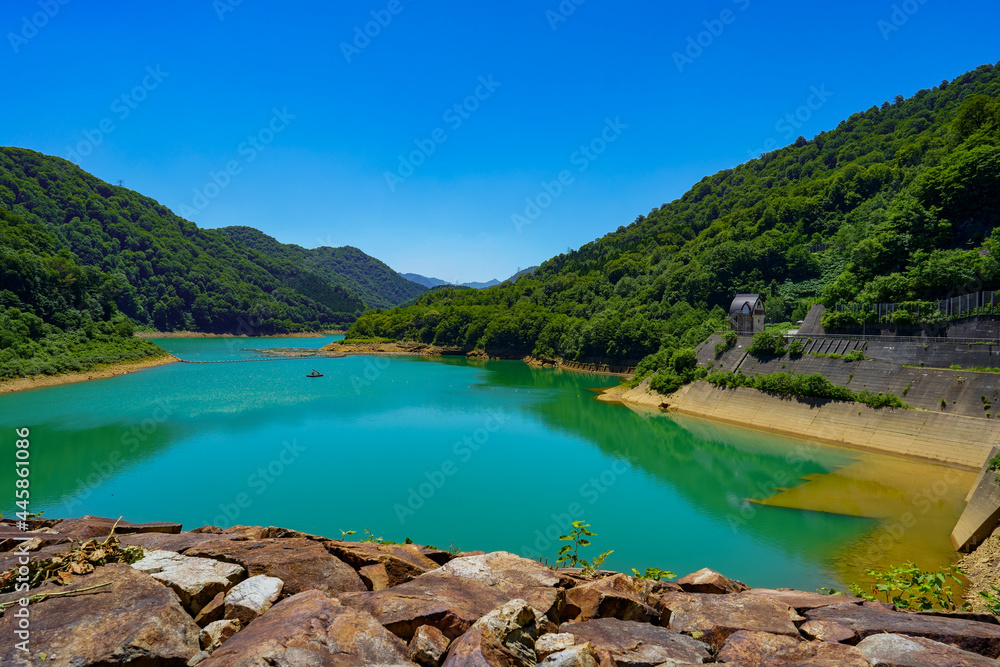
(320, 134)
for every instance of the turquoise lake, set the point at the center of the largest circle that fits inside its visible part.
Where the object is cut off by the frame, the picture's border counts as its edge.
(479, 455)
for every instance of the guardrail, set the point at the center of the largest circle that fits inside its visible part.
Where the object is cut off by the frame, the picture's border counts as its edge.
(892, 339)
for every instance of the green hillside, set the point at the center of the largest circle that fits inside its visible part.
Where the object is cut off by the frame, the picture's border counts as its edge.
(377, 284)
(171, 274)
(898, 202)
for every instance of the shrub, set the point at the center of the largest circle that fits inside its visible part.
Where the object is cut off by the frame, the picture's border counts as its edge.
(813, 386)
(796, 348)
(767, 343)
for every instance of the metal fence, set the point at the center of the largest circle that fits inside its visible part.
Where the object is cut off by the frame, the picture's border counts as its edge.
(953, 308)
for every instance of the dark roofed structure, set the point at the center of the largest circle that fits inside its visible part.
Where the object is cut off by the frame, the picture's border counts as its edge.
(746, 314)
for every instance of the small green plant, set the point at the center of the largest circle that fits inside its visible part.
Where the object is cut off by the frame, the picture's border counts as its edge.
(944, 404)
(857, 355)
(370, 537)
(955, 367)
(569, 554)
(796, 348)
(907, 587)
(654, 573)
(992, 599)
(906, 389)
(344, 534)
(850, 376)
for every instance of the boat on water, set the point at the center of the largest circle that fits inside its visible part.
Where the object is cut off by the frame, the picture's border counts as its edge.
(315, 374)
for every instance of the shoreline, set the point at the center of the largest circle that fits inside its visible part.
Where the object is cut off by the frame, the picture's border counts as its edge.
(942, 439)
(100, 372)
(199, 334)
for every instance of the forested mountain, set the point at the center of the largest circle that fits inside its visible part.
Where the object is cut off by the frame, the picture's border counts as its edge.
(898, 202)
(377, 284)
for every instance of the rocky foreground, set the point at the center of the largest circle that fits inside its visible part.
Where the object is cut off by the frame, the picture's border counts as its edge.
(252, 596)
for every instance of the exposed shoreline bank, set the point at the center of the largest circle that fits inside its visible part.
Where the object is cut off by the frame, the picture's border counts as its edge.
(199, 334)
(941, 438)
(101, 372)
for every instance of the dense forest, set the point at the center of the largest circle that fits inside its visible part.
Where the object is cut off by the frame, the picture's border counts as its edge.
(898, 202)
(377, 284)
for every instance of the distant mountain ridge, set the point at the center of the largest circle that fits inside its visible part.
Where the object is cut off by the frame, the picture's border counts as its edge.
(437, 282)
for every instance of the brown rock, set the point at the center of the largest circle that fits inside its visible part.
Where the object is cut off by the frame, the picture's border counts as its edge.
(800, 601)
(402, 562)
(427, 646)
(710, 581)
(718, 616)
(581, 655)
(375, 577)
(748, 649)
(864, 620)
(633, 644)
(553, 642)
(179, 542)
(213, 611)
(311, 629)
(899, 651)
(302, 564)
(91, 527)
(816, 654)
(207, 529)
(449, 604)
(618, 596)
(133, 618)
(505, 637)
(437, 555)
(216, 633)
(826, 631)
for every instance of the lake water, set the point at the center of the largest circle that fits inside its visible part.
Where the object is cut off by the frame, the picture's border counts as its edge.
(479, 455)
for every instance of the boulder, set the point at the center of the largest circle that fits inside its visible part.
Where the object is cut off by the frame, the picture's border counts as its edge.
(300, 563)
(402, 562)
(826, 631)
(505, 637)
(427, 646)
(618, 596)
(97, 527)
(195, 580)
(801, 601)
(710, 581)
(216, 633)
(449, 604)
(581, 655)
(553, 642)
(179, 542)
(311, 629)
(251, 598)
(133, 618)
(813, 654)
(748, 649)
(718, 616)
(213, 611)
(982, 638)
(887, 650)
(633, 644)
(375, 577)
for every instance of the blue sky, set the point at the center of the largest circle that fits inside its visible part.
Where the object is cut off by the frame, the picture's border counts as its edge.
(572, 117)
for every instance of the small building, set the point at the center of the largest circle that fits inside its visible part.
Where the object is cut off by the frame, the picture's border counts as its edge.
(746, 314)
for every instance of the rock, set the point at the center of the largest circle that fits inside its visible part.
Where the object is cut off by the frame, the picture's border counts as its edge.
(135, 616)
(826, 631)
(582, 655)
(710, 581)
(96, 527)
(437, 555)
(213, 611)
(375, 577)
(251, 598)
(311, 629)
(898, 651)
(718, 616)
(815, 654)
(748, 649)
(198, 658)
(800, 601)
(864, 620)
(300, 563)
(512, 577)
(214, 634)
(195, 580)
(505, 637)
(402, 562)
(207, 529)
(618, 596)
(427, 646)
(552, 643)
(449, 604)
(179, 542)
(633, 644)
